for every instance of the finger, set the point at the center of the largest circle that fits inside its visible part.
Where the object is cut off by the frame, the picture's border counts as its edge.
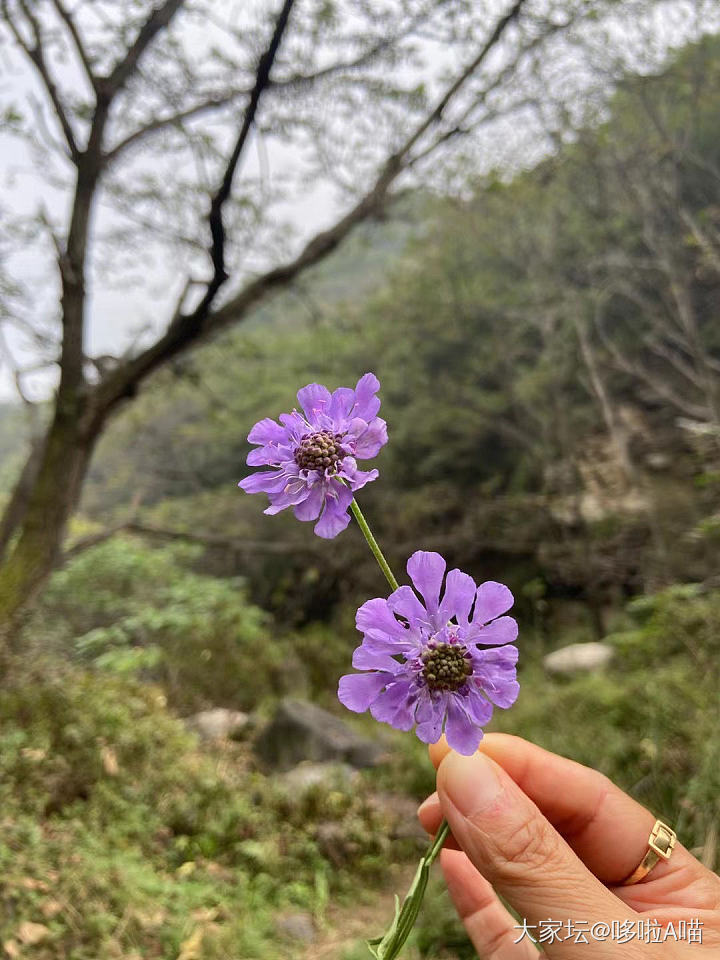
(605, 827)
(489, 925)
(516, 849)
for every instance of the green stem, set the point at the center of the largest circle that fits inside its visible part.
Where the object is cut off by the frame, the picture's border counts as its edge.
(373, 544)
(437, 844)
(389, 946)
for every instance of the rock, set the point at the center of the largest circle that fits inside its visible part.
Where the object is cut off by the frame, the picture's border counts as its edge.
(336, 844)
(217, 724)
(296, 926)
(578, 658)
(658, 460)
(307, 775)
(400, 812)
(302, 731)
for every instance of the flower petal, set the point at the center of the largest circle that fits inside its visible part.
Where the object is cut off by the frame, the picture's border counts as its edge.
(502, 630)
(341, 405)
(314, 399)
(404, 601)
(426, 570)
(429, 716)
(361, 477)
(264, 482)
(461, 733)
(396, 705)
(371, 439)
(268, 431)
(502, 691)
(457, 601)
(503, 658)
(309, 509)
(356, 691)
(272, 453)
(371, 656)
(374, 618)
(295, 425)
(366, 403)
(492, 599)
(334, 517)
(477, 707)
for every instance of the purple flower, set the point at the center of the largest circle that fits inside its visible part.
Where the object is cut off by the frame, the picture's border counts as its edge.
(313, 458)
(445, 661)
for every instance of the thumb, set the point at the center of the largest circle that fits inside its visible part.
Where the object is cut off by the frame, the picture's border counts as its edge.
(515, 847)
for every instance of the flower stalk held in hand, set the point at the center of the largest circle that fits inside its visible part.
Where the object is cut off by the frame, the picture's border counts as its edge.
(438, 657)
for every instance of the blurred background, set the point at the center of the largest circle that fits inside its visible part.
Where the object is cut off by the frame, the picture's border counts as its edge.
(509, 213)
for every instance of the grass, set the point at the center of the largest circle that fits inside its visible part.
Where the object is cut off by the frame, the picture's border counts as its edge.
(124, 837)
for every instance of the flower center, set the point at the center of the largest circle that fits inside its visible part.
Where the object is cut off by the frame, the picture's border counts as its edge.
(319, 451)
(446, 666)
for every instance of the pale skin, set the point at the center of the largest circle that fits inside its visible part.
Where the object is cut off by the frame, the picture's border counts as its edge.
(556, 839)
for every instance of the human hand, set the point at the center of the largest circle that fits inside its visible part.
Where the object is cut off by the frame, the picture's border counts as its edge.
(556, 840)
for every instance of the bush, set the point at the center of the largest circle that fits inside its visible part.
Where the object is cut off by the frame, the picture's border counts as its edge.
(132, 609)
(121, 839)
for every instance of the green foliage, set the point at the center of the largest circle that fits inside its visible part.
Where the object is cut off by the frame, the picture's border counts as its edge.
(480, 317)
(121, 838)
(129, 608)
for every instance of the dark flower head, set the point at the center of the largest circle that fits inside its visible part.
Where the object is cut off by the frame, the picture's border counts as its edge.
(446, 661)
(313, 457)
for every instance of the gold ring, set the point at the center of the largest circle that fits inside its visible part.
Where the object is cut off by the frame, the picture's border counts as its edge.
(661, 844)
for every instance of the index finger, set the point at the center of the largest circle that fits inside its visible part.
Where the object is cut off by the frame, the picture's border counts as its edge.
(606, 828)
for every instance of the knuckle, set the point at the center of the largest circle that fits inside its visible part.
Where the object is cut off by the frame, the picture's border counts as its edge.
(528, 849)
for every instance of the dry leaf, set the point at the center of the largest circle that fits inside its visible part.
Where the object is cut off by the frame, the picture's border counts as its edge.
(205, 914)
(109, 761)
(12, 949)
(30, 883)
(50, 908)
(190, 948)
(30, 933)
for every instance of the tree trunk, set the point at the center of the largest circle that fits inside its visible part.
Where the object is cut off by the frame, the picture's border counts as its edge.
(65, 457)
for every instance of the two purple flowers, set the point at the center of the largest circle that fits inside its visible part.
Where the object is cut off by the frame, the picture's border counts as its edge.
(440, 663)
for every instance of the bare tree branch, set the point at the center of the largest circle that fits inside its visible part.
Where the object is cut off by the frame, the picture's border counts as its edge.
(67, 19)
(161, 533)
(175, 119)
(217, 228)
(158, 20)
(224, 100)
(36, 54)
(180, 335)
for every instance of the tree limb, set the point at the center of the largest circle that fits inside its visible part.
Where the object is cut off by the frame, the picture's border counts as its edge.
(158, 20)
(36, 54)
(190, 329)
(216, 103)
(217, 228)
(161, 533)
(67, 19)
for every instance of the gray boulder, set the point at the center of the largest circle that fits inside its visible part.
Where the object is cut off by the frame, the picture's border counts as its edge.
(296, 926)
(307, 775)
(302, 731)
(578, 658)
(218, 723)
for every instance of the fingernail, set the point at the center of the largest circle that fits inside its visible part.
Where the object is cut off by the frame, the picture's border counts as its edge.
(432, 801)
(471, 783)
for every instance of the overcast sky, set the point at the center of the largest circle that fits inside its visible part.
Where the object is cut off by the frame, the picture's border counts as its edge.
(116, 312)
